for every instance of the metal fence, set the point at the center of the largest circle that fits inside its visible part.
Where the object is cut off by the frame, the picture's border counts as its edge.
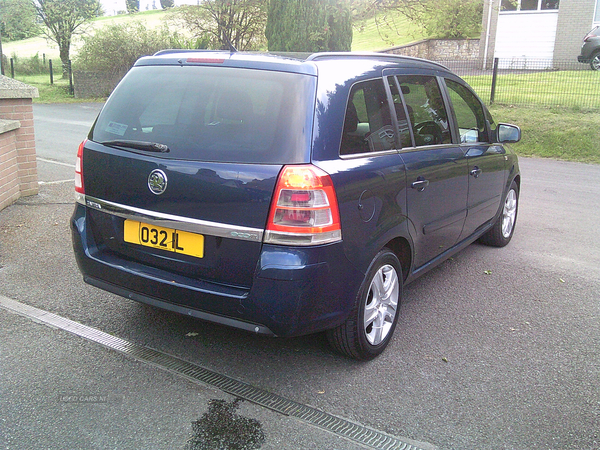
(515, 81)
(532, 82)
(23, 68)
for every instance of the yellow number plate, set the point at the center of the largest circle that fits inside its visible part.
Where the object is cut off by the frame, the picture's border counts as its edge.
(164, 238)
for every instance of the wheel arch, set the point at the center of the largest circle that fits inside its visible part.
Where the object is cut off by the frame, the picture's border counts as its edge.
(517, 180)
(403, 251)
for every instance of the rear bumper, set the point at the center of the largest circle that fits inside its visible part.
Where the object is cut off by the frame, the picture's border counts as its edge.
(295, 291)
(158, 303)
(583, 59)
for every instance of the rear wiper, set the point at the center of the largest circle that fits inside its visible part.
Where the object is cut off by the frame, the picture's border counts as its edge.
(138, 145)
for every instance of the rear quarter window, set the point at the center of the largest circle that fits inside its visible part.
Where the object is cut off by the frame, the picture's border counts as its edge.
(368, 123)
(213, 113)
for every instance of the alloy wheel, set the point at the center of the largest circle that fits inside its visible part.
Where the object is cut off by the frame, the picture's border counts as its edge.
(509, 213)
(595, 62)
(381, 305)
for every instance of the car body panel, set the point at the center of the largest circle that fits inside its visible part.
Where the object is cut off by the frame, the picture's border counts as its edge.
(437, 218)
(487, 178)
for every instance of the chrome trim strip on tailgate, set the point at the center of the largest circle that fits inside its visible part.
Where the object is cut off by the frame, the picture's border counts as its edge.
(172, 221)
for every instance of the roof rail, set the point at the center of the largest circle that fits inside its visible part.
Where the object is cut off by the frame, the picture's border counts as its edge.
(375, 55)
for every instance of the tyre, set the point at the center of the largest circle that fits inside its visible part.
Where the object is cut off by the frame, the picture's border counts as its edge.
(595, 61)
(369, 328)
(504, 227)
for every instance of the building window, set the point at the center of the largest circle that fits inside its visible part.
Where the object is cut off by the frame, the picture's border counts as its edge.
(549, 4)
(509, 5)
(529, 5)
(532, 5)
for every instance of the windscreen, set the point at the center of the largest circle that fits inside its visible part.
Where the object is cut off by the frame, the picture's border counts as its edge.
(215, 114)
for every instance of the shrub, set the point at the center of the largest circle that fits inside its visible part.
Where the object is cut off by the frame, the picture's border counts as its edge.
(115, 48)
(443, 19)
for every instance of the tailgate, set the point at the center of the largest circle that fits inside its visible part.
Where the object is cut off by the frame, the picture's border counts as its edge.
(207, 224)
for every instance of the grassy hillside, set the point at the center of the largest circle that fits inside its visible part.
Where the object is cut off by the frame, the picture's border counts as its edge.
(370, 35)
(384, 32)
(41, 45)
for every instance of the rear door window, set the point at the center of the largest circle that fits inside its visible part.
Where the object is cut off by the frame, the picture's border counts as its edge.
(213, 113)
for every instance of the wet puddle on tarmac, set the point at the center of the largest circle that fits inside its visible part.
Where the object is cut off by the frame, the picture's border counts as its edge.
(221, 428)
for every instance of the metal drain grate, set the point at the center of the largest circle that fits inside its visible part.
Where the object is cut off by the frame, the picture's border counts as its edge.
(341, 427)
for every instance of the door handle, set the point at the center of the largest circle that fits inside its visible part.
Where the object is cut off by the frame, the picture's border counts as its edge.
(475, 172)
(420, 184)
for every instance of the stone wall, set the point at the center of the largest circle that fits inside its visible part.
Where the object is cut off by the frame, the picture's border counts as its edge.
(18, 167)
(95, 84)
(440, 49)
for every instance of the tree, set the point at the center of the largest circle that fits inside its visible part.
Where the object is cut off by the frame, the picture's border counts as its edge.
(165, 4)
(309, 26)
(240, 23)
(17, 19)
(63, 19)
(132, 6)
(443, 19)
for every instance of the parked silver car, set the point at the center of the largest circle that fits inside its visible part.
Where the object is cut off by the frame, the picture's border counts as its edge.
(590, 49)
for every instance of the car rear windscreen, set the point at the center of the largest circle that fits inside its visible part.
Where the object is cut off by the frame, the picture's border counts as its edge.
(219, 114)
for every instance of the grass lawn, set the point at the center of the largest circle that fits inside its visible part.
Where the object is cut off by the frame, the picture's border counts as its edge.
(572, 88)
(53, 93)
(559, 133)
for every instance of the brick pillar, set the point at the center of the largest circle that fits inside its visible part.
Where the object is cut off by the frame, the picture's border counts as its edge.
(18, 168)
(9, 180)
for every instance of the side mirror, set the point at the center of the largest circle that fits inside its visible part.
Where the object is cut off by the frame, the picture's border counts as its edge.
(506, 133)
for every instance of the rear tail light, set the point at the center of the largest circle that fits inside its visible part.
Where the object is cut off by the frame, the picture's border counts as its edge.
(304, 210)
(591, 34)
(79, 189)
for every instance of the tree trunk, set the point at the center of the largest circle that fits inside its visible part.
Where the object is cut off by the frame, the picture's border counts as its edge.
(64, 57)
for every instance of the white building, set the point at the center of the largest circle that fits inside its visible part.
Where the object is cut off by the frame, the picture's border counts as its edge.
(114, 7)
(522, 32)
